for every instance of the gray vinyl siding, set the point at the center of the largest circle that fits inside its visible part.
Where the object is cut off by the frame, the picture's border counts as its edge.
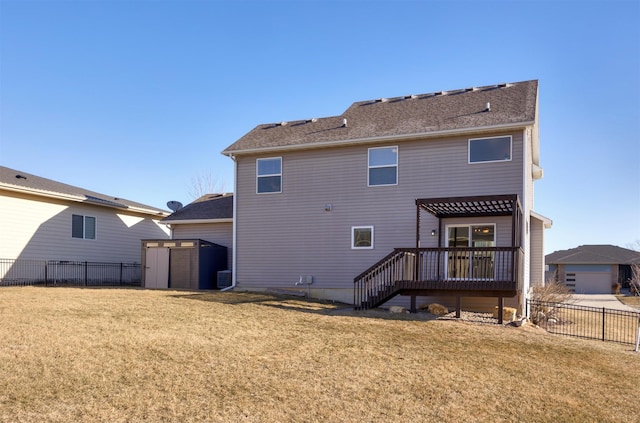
(40, 228)
(218, 233)
(537, 252)
(283, 236)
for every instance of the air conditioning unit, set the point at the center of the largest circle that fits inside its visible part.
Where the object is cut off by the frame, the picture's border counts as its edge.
(224, 279)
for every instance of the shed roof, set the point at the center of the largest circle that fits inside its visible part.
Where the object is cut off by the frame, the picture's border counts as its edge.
(594, 254)
(19, 181)
(207, 207)
(457, 111)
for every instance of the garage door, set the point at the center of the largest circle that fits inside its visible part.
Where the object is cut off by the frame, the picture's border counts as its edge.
(589, 282)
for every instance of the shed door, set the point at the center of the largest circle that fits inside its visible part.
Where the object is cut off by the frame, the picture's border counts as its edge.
(183, 268)
(156, 271)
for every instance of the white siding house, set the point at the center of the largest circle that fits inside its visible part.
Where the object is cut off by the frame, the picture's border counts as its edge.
(47, 220)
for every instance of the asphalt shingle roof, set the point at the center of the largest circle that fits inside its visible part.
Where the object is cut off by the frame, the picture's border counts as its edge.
(210, 206)
(27, 182)
(594, 254)
(458, 110)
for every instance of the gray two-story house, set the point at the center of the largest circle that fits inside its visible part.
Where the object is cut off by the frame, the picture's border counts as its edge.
(427, 195)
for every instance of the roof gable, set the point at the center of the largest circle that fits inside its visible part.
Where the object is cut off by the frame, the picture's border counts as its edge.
(15, 180)
(463, 110)
(594, 254)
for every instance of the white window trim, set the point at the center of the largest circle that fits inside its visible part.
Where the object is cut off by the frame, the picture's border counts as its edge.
(84, 227)
(488, 138)
(258, 176)
(353, 229)
(379, 167)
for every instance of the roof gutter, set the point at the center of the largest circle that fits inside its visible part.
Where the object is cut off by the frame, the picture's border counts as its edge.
(366, 140)
(78, 199)
(42, 193)
(194, 221)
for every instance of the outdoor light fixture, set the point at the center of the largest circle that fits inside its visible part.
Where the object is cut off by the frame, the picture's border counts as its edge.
(433, 232)
(328, 207)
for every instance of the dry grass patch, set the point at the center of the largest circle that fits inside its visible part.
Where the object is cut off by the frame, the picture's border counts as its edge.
(133, 355)
(633, 301)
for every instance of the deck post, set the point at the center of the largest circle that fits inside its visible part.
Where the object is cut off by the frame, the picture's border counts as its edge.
(413, 304)
(458, 306)
(500, 309)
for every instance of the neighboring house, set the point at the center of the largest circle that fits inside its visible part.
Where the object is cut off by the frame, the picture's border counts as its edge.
(421, 195)
(592, 269)
(47, 220)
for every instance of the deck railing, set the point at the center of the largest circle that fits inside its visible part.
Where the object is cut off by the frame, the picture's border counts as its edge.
(61, 272)
(441, 269)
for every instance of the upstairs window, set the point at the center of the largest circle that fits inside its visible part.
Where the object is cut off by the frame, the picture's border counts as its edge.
(483, 150)
(383, 166)
(83, 227)
(269, 175)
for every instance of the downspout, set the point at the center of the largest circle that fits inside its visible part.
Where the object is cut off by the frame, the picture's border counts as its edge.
(234, 236)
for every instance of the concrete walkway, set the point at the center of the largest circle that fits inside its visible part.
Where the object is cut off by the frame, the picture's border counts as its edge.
(600, 300)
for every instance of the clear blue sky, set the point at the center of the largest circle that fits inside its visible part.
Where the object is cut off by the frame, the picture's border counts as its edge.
(136, 98)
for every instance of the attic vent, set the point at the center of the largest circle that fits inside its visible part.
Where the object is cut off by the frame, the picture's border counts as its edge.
(438, 93)
(503, 85)
(382, 100)
(344, 123)
(488, 108)
(314, 120)
(21, 177)
(410, 97)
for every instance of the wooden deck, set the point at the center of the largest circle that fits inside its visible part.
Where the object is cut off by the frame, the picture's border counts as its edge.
(460, 272)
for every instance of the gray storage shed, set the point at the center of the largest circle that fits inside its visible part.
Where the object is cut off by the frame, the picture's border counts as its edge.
(182, 263)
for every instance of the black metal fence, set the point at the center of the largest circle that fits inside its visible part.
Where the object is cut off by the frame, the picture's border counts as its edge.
(604, 324)
(75, 273)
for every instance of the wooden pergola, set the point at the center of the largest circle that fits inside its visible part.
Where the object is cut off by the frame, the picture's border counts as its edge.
(475, 206)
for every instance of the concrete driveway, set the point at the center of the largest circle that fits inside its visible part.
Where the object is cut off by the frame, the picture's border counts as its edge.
(601, 300)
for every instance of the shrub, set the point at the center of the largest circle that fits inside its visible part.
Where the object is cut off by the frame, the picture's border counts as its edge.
(544, 310)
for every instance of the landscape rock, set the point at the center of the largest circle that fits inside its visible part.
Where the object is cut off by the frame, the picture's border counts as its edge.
(437, 309)
(397, 309)
(508, 313)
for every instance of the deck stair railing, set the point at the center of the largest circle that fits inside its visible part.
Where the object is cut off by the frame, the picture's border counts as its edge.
(443, 269)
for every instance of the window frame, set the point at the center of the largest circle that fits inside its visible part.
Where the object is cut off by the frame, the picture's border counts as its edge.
(469, 161)
(369, 166)
(270, 175)
(84, 226)
(353, 237)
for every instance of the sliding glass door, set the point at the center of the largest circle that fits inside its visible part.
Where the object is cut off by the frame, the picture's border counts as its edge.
(465, 263)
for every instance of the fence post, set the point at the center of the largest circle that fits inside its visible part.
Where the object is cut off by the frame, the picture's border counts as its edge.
(603, 317)
(120, 273)
(46, 269)
(85, 274)
(638, 337)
